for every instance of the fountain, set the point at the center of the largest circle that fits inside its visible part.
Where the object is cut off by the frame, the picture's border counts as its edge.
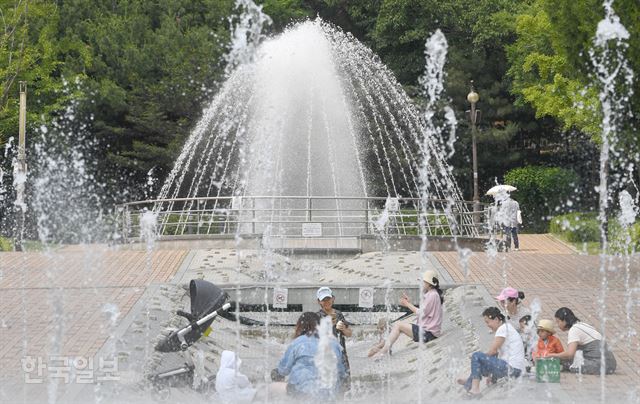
(300, 131)
(298, 135)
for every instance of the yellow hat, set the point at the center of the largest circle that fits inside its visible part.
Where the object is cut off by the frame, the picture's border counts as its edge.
(429, 277)
(546, 325)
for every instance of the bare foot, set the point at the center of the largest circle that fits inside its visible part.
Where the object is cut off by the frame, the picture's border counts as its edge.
(373, 351)
(461, 381)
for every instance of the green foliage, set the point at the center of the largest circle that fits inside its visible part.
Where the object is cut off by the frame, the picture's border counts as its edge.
(6, 244)
(476, 33)
(541, 192)
(624, 240)
(408, 222)
(550, 63)
(576, 227)
(198, 224)
(543, 77)
(152, 68)
(582, 228)
(30, 51)
(148, 68)
(285, 12)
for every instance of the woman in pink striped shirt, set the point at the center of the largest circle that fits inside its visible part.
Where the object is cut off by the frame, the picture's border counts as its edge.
(428, 325)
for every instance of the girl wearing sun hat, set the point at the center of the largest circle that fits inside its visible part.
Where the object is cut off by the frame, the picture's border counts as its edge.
(428, 325)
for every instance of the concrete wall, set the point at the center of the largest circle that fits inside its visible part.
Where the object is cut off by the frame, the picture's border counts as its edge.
(202, 242)
(367, 243)
(370, 243)
(306, 295)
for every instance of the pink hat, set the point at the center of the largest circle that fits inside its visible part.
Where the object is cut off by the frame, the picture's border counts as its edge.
(507, 293)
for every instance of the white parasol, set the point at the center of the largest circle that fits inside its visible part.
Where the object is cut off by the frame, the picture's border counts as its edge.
(500, 189)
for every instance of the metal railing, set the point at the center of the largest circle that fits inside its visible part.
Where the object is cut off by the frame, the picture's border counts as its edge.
(300, 216)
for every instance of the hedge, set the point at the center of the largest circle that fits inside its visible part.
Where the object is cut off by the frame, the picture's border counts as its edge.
(542, 192)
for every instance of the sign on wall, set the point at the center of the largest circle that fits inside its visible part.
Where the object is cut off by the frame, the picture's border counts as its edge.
(365, 298)
(311, 229)
(280, 298)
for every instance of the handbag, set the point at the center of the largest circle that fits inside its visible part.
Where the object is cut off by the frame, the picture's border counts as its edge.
(519, 216)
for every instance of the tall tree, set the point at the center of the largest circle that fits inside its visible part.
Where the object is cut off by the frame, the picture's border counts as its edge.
(150, 69)
(29, 51)
(477, 31)
(550, 61)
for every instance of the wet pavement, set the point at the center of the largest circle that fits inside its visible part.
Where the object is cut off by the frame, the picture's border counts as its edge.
(85, 296)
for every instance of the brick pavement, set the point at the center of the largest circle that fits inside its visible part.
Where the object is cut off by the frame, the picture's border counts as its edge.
(72, 287)
(552, 272)
(69, 292)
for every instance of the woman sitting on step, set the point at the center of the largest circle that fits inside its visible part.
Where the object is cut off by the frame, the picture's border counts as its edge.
(428, 324)
(585, 339)
(505, 356)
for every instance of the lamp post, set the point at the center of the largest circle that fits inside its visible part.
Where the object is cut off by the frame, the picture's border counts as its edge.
(474, 115)
(20, 169)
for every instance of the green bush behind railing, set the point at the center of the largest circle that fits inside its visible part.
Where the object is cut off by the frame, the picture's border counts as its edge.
(584, 228)
(408, 222)
(192, 224)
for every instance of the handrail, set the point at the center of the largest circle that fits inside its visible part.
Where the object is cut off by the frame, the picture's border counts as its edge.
(230, 198)
(184, 216)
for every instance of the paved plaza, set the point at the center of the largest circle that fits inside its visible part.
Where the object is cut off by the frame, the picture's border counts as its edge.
(552, 272)
(67, 303)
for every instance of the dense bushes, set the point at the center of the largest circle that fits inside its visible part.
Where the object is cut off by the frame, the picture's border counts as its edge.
(581, 227)
(623, 241)
(542, 192)
(576, 227)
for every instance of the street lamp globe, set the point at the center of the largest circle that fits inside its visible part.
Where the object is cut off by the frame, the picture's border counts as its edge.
(473, 97)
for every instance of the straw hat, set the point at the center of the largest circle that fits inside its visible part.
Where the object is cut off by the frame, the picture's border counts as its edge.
(546, 325)
(428, 277)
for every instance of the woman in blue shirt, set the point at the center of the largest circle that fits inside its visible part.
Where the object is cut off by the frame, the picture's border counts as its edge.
(300, 363)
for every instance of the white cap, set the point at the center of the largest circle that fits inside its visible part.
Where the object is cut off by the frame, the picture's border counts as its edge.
(324, 292)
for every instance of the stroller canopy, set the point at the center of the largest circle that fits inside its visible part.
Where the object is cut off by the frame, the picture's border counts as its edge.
(205, 299)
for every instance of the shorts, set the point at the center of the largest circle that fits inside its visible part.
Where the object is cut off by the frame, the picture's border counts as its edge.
(426, 335)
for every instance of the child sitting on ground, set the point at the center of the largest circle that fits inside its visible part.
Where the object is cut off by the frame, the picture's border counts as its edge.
(231, 385)
(524, 323)
(526, 334)
(547, 342)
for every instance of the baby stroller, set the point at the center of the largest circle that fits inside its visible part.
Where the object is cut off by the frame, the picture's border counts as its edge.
(207, 302)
